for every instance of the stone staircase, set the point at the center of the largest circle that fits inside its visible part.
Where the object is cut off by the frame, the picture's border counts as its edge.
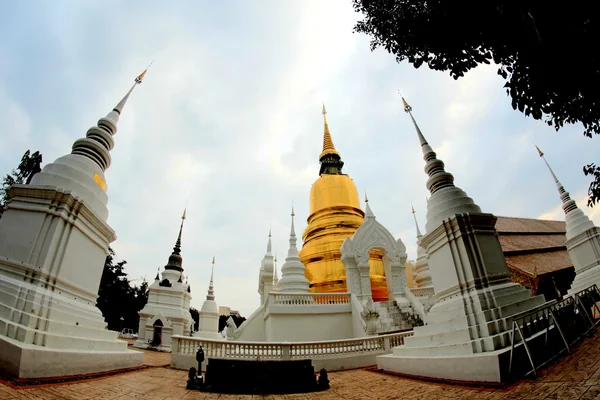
(393, 319)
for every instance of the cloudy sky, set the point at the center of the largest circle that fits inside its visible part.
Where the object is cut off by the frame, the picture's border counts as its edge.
(228, 120)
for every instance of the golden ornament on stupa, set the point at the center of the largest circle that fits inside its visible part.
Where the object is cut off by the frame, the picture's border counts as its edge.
(335, 214)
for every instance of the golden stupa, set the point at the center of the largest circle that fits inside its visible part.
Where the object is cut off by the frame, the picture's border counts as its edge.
(335, 214)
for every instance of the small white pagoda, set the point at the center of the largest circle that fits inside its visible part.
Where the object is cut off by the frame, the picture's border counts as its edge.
(167, 311)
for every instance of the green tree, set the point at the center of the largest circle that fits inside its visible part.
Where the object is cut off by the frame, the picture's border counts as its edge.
(118, 298)
(545, 52)
(223, 321)
(29, 166)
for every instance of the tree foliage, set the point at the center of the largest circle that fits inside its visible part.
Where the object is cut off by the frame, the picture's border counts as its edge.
(223, 321)
(29, 166)
(118, 298)
(545, 52)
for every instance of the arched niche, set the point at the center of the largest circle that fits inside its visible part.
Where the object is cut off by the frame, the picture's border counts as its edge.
(355, 257)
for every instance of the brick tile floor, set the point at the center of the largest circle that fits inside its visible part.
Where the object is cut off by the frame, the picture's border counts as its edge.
(575, 376)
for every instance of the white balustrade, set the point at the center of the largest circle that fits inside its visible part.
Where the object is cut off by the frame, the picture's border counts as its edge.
(422, 292)
(292, 299)
(183, 345)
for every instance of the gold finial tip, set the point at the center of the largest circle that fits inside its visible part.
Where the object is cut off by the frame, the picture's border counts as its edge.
(366, 197)
(213, 261)
(324, 110)
(412, 208)
(407, 107)
(269, 232)
(140, 77)
(184, 213)
(539, 151)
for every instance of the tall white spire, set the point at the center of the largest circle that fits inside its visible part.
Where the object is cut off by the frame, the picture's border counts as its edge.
(293, 278)
(82, 170)
(269, 244)
(98, 141)
(419, 234)
(368, 211)
(211, 293)
(446, 199)
(577, 222)
(275, 277)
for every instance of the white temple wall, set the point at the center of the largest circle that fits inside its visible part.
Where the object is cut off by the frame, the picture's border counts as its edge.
(79, 252)
(309, 323)
(253, 329)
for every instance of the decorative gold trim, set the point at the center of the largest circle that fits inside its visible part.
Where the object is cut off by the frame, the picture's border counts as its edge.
(98, 179)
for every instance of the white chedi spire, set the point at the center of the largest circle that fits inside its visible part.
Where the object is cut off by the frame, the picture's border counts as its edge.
(446, 199)
(275, 277)
(576, 221)
(293, 278)
(209, 313)
(82, 171)
(422, 273)
(211, 292)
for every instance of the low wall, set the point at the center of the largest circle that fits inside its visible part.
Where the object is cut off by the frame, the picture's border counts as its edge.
(332, 355)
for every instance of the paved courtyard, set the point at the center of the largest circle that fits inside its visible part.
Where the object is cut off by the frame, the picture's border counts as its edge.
(576, 376)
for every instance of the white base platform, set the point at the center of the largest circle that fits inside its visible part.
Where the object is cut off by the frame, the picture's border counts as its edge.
(480, 367)
(30, 361)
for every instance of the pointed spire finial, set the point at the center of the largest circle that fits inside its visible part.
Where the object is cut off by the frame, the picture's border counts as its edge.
(293, 213)
(568, 203)
(407, 108)
(419, 234)
(211, 293)
(140, 77)
(184, 213)
(269, 243)
(539, 151)
(328, 147)
(548, 165)
(119, 107)
(368, 212)
(440, 181)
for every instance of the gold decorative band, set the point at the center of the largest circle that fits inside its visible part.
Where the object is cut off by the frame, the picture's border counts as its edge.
(100, 181)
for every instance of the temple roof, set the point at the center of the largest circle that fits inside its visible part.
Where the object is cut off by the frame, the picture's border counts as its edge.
(533, 246)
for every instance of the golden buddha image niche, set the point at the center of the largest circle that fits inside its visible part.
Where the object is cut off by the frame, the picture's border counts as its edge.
(335, 214)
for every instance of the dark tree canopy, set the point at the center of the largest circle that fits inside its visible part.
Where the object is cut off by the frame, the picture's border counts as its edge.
(223, 320)
(118, 298)
(545, 51)
(29, 166)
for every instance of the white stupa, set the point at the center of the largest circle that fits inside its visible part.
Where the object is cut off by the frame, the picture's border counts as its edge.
(208, 326)
(293, 278)
(583, 239)
(54, 241)
(265, 277)
(167, 311)
(423, 276)
(467, 330)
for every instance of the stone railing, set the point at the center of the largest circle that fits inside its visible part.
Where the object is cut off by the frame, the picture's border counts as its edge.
(293, 299)
(353, 351)
(422, 292)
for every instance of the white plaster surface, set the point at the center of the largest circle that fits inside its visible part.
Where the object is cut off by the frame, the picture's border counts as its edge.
(27, 361)
(483, 367)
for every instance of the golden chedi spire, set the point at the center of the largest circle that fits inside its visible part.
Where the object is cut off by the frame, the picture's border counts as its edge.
(328, 147)
(335, 214)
